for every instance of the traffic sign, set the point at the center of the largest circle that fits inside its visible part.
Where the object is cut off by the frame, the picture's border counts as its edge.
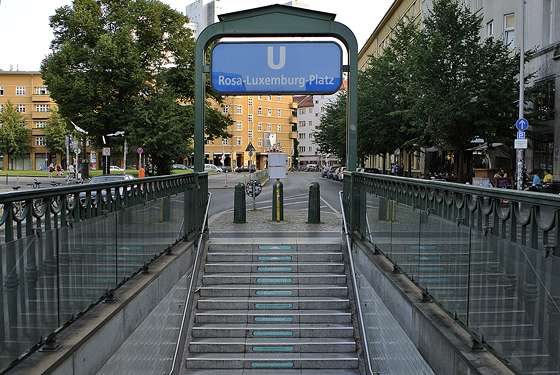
(253, 188)
(277, 67)
(520, 135)
(106, 151)
(250, 147)
(520, 144)
(522, 124)
(140, 150)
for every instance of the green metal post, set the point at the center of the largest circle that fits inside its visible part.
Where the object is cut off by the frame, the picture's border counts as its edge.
(239, 204)
(314, 210)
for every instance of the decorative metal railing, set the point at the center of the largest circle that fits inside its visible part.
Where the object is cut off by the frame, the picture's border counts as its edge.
(64, 249)
(485, 255)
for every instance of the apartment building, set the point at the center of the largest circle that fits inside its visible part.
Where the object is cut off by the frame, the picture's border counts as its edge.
(27, 91)
(501, 19)
(310, 110)
(264, 121)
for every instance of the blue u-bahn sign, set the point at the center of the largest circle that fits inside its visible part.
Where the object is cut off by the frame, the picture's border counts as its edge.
(276, 68)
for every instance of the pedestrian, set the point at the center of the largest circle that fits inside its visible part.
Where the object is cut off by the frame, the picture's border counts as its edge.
(51, 170)
(536, 184)
(59, 170)
(547, 177)
(71, 170)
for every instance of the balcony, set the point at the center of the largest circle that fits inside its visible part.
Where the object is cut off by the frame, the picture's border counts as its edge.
(40, 115)
(41, 98)
(293, 135)
(292, 120)
(293, 105)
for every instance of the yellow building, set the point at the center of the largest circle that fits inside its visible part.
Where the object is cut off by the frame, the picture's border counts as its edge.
(377, 42)
(27, 91)
(265, 121)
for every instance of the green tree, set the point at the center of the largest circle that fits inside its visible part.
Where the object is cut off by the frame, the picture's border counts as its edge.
(108, 55)
(463, 88)
(15, 138)
(56, 131)
(330, 135)
(383, 99)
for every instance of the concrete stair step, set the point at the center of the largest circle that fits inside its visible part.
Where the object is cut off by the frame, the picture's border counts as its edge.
(273, 316)
(272, 345)
(271, 372)
(296, 290)
(273, 278)
(313, 245)
(272, 361)
(276, 267)
(272, 330)
(272, 303)
(268, 256)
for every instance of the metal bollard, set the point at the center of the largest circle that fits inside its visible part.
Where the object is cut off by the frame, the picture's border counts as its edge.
(239, 208)
(278, 201)
(314, 210)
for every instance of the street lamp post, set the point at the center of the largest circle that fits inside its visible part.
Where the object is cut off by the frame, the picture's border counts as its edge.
(117, 134)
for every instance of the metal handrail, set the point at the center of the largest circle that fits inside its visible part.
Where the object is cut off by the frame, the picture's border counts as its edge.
(194, 277)
(361, 325)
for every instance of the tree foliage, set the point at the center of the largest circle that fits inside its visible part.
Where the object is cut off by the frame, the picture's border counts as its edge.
(439, 86)
(15, 138)
(110, 60)
(56, 131)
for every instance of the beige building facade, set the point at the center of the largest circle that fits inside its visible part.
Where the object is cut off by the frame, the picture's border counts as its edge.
(264, 121)
(29, 94)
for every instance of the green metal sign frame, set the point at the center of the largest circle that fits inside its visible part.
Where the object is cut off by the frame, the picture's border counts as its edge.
(276, 21)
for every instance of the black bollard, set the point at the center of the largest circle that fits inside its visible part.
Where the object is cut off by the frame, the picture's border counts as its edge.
(239, 209)
(314, 210)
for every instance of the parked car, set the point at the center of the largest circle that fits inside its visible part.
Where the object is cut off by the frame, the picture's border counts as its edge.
(325, 171)
(225, 169)
(179, 167)
(107, 178)
(212, 168)
(115, 168)
(331, 171)
(245, 169)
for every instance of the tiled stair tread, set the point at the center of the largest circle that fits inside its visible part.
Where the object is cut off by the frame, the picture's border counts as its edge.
(272, 312)
(270, 341)
(273, 326)
(271, 299)
(271, 356)
(272, 372)
(272, 264)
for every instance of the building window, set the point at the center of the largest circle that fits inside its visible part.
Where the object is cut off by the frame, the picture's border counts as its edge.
(279, 99)
(310, 149)
(250, 101)
(20, 108)
(250, 117)
(1, 90)
(310, 123)
(40, 124)
(544, 103)
(301, 148)
(269, 127)
(270, 111)
(239, 109)
(279, 128)
(301, 135)
(238, 141)
(260, 97)
(259, 142)
(279, 112)
(225, 141)
(39, 141)
(41, 91)
(259, 127)
(250, 134)
(225, 108)
(20, 90)
(270, 98)
(301, 111)
(42, 107)
(302, 123)
(259, 111)
(490, 29)
(239, 125)
(311, 109)
(509, 29)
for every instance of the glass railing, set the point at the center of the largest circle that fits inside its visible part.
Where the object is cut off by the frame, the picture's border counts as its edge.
(62, 251)
(484, 255)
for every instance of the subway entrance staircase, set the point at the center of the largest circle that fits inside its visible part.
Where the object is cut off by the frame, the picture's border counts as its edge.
(273, 307)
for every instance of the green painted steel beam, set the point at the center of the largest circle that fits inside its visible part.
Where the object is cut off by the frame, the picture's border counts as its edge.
(276, 21)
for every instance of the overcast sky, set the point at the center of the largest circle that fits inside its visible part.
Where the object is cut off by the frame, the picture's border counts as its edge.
(25, 34)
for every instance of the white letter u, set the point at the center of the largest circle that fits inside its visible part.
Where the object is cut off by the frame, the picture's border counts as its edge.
(282, 62)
